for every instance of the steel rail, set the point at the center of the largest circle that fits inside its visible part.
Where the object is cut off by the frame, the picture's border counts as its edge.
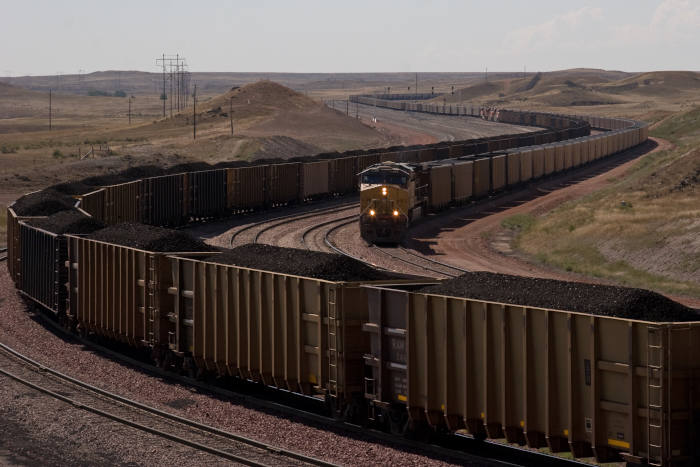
(290, 219)
(412, 263)
(28, 362)
(431, 260)
(323, 224)
(317, 211)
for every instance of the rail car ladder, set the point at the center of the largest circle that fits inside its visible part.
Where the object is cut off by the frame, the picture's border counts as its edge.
(657, 393)
(150, 306)
(332, 344)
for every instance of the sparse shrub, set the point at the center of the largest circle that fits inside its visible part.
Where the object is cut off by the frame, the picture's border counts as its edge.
(57, 154)
(8, 149)
(119, 93)
(520, 222)
(94, 92)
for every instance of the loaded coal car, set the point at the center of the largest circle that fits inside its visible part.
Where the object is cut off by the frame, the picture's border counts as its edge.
(596, 370)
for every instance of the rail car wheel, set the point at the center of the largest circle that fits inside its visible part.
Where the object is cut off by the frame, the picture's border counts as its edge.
(398, 420)
(356, 411)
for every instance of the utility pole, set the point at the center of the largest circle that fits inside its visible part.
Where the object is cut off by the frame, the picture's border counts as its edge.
(230, 112)
(49, 109)
(177, 75)
(171, 89)
(162, 95)
(194, 113)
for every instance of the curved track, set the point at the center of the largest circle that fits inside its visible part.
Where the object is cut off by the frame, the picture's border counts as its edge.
(201, 437)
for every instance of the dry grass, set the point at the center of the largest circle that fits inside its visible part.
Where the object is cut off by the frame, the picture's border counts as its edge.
(643, 230)
(269, 119)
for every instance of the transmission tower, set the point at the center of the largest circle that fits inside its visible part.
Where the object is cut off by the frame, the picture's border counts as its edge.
(176, 82)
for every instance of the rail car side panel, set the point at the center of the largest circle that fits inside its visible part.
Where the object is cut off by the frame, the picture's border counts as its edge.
(43, 272)
(315, 180)
(283, 182)
(440, 186)
(207, 193)
(570, 381)
(498, 173)
(246, 187)
(482, 177)
(513, 163)
(526, 165)
(298, 334)
(462, 180)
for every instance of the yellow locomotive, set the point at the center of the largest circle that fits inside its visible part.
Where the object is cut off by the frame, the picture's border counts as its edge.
(389, 201)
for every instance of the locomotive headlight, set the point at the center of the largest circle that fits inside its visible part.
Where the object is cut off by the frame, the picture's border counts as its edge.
(383, 191)
(396, 213)
(371, 212)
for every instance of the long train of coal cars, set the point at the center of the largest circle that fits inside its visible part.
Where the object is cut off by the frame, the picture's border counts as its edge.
(592, 384)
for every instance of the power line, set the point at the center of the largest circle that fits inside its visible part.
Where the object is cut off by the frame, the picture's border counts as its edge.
(176, 82)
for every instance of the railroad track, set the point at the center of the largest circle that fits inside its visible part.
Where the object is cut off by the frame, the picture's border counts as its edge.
(285, 219)
(401, 254)
(343, 220)
(421, 262)
(214, 441)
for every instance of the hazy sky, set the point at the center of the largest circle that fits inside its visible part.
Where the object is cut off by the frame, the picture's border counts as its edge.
(46, 37)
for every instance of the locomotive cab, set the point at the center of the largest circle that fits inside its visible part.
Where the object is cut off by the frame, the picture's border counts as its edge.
(387, 193)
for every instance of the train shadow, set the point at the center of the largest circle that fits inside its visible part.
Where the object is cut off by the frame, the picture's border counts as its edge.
(421, 236)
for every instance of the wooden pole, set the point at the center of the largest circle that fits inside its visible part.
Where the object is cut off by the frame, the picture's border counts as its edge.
(194, 113)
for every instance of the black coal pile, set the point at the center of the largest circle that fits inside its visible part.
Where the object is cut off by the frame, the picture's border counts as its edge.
(304, 263)
(189, 167)
(43, 203)
(72, 188)
(623, 302)
(69, 221)
(105, 180)
(142, 171)
(149, 238)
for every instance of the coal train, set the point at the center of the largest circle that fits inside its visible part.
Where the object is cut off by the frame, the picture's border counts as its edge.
(377, 351)
(393, 194)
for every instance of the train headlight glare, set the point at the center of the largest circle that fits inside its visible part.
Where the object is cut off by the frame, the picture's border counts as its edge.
(371, 212)
(396, 213)
(384, 190)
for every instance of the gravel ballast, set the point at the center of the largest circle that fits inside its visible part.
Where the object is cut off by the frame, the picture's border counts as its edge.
(622, 302)
(327, 266)
(149, 238)
(70, 221)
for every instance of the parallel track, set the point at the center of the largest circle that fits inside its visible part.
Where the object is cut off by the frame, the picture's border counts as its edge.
(286, 219)
(323, 224)
(419, 261)
(201, 437)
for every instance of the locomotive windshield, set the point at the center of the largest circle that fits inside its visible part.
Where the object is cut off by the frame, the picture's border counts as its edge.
(384, 178)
